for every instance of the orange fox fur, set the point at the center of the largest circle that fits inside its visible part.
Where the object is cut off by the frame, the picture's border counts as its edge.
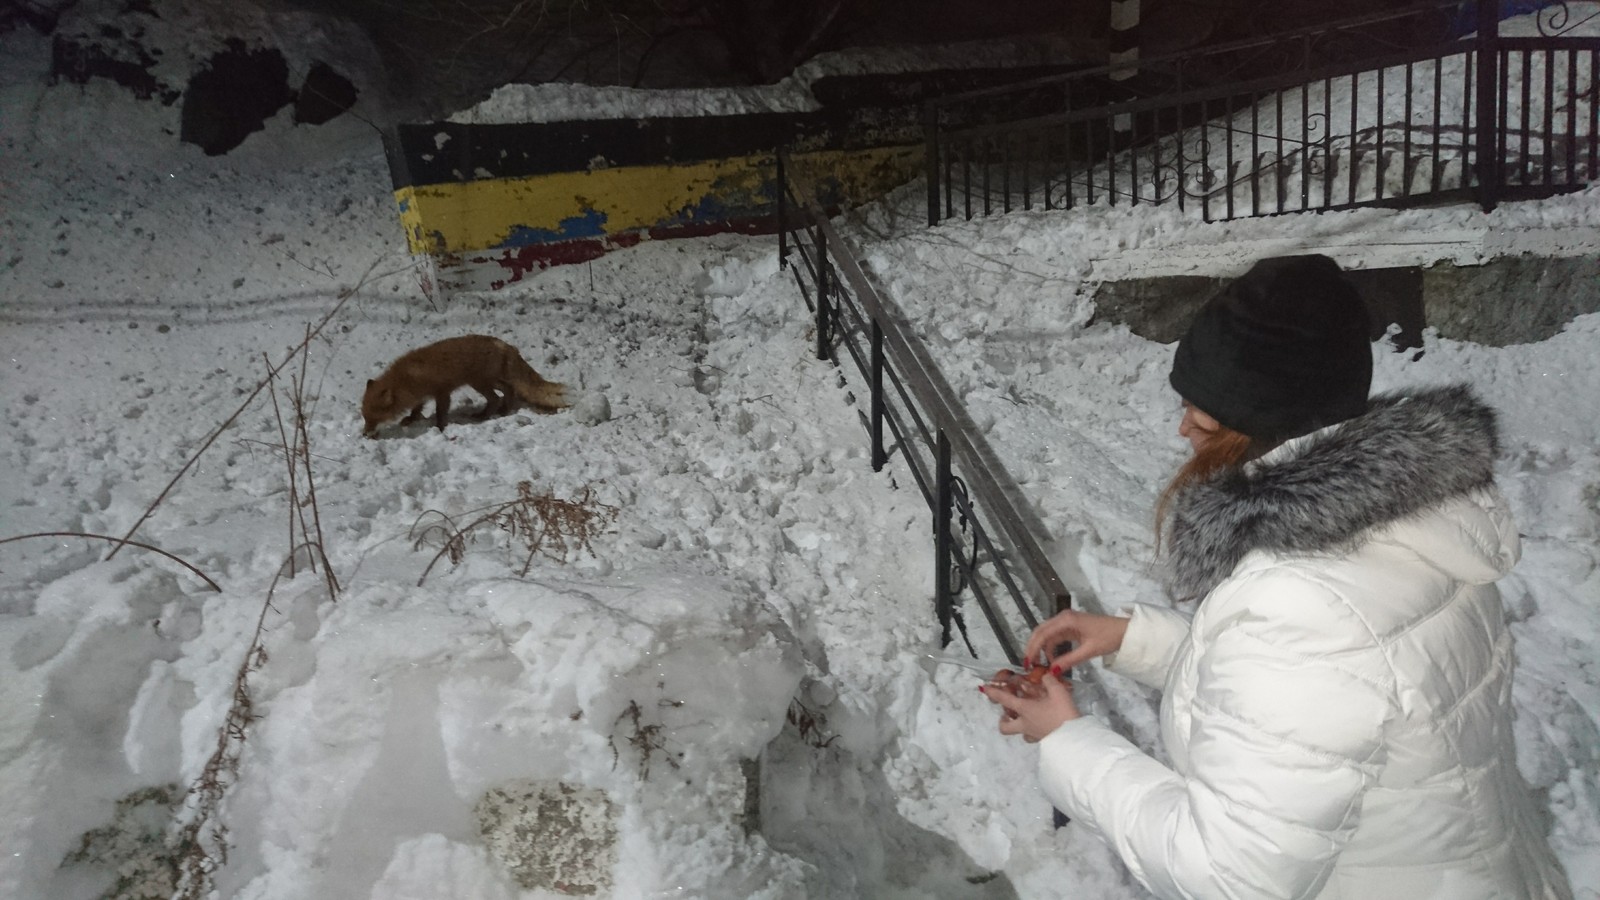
(486, 364)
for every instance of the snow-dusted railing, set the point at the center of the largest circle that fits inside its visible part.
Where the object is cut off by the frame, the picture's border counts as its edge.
(1392, 110)
(986, 539)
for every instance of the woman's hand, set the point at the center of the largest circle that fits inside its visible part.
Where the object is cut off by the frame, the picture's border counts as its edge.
(1093, 636)
(1034, 718)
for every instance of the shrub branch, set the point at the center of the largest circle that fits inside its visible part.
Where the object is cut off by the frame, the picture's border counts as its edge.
(546, 525)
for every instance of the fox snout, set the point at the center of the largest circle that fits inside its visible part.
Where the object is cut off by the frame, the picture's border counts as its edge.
(369, 423)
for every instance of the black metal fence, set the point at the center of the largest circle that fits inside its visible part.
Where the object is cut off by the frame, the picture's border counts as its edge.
(986, 543)
(1393, 109)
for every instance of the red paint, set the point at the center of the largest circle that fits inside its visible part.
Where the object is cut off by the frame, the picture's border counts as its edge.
(520, 261)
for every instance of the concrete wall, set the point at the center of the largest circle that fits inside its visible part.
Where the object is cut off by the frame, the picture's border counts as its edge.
(1511, 300)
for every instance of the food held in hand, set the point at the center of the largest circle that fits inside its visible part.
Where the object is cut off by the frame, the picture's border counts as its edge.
(1027, 685)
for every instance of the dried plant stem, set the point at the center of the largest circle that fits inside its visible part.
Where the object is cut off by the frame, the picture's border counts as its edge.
(649, 739)
(303, 436)
(288, 458)
(297, 460)
(118, 541)
(201, 842)
(272, 371)
(546, 525)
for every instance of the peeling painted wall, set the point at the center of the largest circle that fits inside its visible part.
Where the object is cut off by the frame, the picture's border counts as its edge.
(523, 211)
(491, 202)
(487, 203)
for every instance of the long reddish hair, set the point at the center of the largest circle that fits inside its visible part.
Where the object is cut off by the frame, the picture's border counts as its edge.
(1223, 449)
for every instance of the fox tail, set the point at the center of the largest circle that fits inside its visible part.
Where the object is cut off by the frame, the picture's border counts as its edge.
(545, 395)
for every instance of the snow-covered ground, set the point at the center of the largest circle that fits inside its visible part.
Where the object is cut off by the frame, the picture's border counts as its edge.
(475, 732)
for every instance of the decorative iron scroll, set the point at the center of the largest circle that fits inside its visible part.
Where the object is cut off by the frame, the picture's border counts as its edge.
(1557, 20)
(961, 569)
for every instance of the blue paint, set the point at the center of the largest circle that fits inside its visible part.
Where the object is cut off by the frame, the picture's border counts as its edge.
(723, 203)
(588, 224)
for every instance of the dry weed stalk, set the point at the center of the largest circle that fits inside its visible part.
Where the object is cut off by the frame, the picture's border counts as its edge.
(546, 525)
(272, 371)
(297, 458)
(809, 724)
(201, 842)
(647, 739)
(119, 542)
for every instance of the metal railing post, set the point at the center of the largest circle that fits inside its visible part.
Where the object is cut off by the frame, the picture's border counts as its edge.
(1488, 112)
(824, 286)
(783, 211)
(943, 552)
(930, 131)
(879, 457)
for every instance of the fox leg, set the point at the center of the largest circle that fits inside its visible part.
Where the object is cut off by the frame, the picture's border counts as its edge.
(414, 415)
(494, 404)
(507, 398)
(441, 408)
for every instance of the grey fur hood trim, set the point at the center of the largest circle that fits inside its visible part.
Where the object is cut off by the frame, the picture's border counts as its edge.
(1410, 451)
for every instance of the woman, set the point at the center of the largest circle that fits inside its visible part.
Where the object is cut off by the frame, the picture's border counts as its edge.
(1337, 712)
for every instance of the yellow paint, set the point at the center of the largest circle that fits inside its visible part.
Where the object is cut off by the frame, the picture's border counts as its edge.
(484, 214)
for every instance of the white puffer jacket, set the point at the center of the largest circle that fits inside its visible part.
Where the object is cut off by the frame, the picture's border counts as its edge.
(1338, 713)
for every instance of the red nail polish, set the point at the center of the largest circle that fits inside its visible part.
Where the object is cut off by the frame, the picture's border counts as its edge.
(1056, 671)
(981, 688)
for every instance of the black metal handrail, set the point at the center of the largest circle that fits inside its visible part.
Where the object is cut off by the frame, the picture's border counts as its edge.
(1266, 141)
(1435, 21)
(986, 539)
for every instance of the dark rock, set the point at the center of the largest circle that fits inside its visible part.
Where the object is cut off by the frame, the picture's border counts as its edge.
(325, 95)
(233, 96)
(76, 59)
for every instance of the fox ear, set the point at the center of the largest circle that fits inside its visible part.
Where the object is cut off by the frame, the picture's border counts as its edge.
(369, 382)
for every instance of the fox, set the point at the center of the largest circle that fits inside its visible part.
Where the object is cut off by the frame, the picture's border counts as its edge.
(486, 364)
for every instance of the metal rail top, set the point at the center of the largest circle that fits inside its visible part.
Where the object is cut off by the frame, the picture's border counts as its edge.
(1021, 527)
(1194, 53)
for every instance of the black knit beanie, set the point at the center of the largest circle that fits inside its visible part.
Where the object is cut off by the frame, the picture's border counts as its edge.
(1281, 351)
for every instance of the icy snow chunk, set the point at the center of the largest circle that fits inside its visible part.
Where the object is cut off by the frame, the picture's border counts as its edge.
(433, 866)
(151, 744)
(592, 408)
(734, 277)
